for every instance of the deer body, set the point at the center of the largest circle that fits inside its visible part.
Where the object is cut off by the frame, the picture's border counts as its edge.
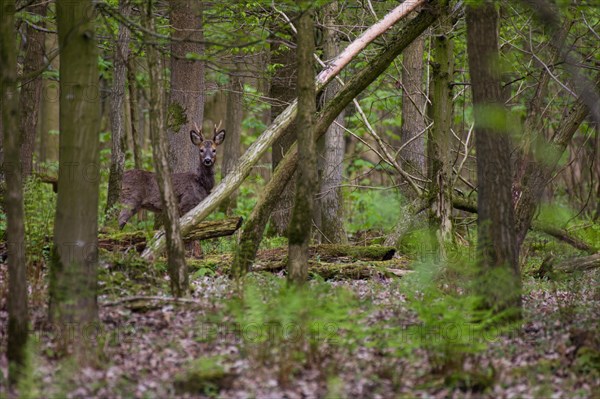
(139, 189)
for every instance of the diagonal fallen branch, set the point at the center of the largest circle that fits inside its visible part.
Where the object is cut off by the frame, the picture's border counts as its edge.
(233, 180)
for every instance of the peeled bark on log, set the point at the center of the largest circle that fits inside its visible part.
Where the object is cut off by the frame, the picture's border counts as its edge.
(203, 231)
(233, 180)
(550, 266)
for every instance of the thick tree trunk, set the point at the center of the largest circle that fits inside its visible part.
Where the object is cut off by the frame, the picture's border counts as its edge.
(264, 141)
(31, 90)
(330, 150)
(74, 259)
(175, 251)
(282, 92)
(413, 108)
(254, 227)
(13, 200)
(233, 127)
(306, 176)
(186, 99)
(117, 111)
(497, 244)
(439, 139)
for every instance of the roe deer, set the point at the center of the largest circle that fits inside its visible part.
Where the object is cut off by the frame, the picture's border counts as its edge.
(139, 189)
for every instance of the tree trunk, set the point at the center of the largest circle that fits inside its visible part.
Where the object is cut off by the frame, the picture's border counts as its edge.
(175, 251)
(186, 98)
(498, 252)
(253, 229)
(282, 90)
(233, 127)
(74, 258)
(31, 90)
(117, 99)
(265, 140)
(50, 102)
(330, 150)
(306, 177)
(137, 134)
(439, 139)
(413, 108)
(13, 200)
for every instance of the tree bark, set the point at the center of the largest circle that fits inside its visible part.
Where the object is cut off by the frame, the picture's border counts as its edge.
(413, 108)
(117, 99)
(306, 176)
(137, 134)
(497, 250)
(186, 98)
(31, 90)
(13, 199)
(262, 143)
(233, 127)
(282, 90)
(253, 229)
(74, 255)
(330, 150)
(50, 102)
(439, 139)
(175, 252)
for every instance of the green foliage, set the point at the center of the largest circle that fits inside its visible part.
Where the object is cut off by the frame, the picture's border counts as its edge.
(372, 209)
(290, 326)
(40, 205)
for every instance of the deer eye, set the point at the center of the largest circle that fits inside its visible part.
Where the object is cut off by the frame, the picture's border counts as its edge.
(202, 150)
(214, 151)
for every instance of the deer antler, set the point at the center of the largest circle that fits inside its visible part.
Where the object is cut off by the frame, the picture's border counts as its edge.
(197, 128)
(219, 126)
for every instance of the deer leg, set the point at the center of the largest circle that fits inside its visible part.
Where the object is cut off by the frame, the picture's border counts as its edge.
(126, 213)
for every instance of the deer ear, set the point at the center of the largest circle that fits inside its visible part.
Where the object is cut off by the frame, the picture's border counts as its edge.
(219, 137)
(196, 137)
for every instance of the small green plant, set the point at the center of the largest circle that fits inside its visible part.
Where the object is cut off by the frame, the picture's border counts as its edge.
(291, 327)
(40, 205)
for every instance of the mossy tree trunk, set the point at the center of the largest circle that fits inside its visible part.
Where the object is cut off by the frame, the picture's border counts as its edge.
(50, 100)
(74, 259)
(439, 136)
(175, 251)
(306, 177)
(13, 198)
(117, 111)
(497, 245)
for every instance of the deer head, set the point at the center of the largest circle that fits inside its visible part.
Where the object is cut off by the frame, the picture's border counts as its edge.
(207, 148)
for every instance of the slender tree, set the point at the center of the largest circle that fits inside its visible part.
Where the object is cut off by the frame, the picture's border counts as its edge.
(13, 200)
(497, 245)
(175, 251)
(117, 123)
(31, 89)
(50, 99)
(74, 259)
(439, 136)
(306, 181)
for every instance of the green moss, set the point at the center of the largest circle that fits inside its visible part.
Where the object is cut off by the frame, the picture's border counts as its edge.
(205, 376)
(176, 117)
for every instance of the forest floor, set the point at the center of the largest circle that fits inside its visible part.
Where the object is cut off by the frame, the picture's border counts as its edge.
(358, 338)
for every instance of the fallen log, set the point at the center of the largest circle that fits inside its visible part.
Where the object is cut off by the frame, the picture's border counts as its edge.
(202, 231)
(550, 266)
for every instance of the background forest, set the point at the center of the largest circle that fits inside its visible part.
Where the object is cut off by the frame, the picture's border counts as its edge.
(406, 198)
